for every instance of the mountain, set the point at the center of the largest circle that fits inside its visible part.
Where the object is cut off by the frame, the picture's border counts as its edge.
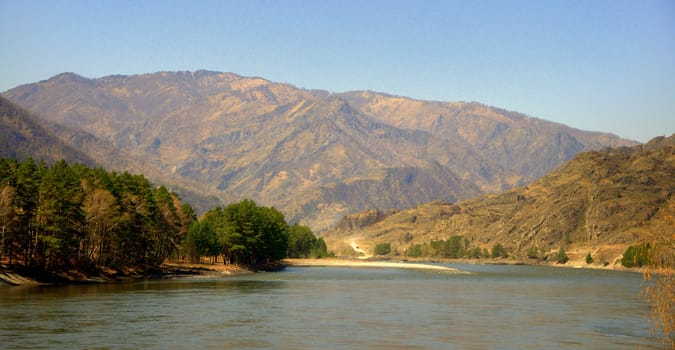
(314, 155)
(517, 148)
(599, 202)
(24, 135)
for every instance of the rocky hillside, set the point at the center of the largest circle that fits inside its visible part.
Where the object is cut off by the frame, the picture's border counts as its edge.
(516, 148)
(314, 155)
(599, 202)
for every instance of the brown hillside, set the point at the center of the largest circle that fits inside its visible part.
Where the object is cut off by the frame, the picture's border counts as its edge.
(315, 156)
(599, 202)
(24, 135)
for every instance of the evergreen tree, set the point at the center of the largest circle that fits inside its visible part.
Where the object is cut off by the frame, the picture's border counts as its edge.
(301, 241)
(27, 180)
(589, 259)
(498, 251)
(167, 232)
(561, 257)
(203, 240)
(67, 216)
(320, 250)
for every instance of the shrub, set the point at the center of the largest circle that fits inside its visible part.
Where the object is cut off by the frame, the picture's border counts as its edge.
(414, 251)
(498, 251)
(533, 253)
(382, 249)
(475, 253)
(589, 259)
(636, 255)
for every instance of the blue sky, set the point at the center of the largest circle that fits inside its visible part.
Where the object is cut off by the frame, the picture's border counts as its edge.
(603, 65)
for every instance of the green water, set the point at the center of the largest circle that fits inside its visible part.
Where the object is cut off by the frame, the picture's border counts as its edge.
(495, 307)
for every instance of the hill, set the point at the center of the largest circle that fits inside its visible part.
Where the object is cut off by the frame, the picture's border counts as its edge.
(599, 202)
(314, 155)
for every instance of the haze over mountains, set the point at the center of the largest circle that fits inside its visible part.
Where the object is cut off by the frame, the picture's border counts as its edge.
(314, 155)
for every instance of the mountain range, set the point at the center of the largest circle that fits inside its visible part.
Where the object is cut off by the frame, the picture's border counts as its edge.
(316, 156)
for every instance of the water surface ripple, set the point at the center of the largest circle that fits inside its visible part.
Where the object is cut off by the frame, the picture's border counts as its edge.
(495, 307)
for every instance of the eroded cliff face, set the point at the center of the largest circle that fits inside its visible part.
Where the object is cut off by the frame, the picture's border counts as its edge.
(362, 219)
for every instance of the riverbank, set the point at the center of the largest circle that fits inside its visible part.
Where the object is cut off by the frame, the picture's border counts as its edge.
(328, 262)
(9, 277)
(177, 270)
(572, 264)
(186, 269)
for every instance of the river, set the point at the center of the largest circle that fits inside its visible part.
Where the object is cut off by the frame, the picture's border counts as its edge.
(494, 307)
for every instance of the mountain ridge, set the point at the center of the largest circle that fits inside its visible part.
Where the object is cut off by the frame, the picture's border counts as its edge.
(298, 149)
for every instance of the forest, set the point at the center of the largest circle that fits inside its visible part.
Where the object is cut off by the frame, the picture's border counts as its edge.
(65, 217)
(71, 217)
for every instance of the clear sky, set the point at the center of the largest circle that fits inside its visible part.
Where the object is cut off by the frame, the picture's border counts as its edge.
(603, 65)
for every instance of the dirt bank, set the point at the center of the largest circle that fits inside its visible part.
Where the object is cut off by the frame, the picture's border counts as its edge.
(9, 278)
(181, 269)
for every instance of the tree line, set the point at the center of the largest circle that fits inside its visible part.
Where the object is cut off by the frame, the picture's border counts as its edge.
(75, 217)
(455, 247)
(64, 217)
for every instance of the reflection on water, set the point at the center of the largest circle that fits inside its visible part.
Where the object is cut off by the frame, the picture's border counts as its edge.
(509, 307)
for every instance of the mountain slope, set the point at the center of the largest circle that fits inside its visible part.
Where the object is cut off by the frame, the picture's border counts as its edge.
(521, 147)
(315, 156)
(22, 136)
(599, 202)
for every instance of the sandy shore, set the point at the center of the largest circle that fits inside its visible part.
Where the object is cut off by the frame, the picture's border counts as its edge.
(367, 263)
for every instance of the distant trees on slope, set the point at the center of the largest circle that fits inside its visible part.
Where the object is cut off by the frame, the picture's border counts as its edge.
(455, 247)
